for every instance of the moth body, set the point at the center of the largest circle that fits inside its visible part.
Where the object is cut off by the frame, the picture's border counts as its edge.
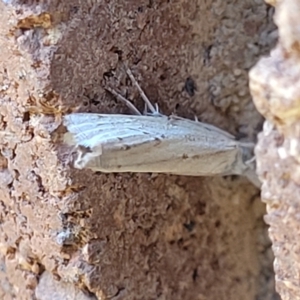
(125, 143)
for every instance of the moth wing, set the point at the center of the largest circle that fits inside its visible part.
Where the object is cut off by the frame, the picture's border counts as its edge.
(121, 143)
(151, 144)
(90, 130)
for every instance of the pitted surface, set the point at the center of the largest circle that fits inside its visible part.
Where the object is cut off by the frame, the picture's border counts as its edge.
(129, 236)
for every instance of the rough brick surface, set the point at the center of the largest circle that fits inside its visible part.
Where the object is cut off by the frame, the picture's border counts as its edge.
(127, 236)
(275, 86)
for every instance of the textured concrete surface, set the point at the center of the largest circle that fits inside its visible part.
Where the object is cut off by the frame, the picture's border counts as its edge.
(275, 86)
(128, 236)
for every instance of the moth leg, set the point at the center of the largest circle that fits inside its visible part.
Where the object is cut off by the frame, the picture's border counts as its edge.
(156, 113)
(127, 102)
(143, 95)
(145, 110)
(251, 161)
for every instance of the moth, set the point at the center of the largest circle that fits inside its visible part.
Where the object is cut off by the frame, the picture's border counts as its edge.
(155, 143)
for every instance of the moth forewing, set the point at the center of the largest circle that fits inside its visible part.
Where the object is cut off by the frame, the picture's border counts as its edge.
(122, 143)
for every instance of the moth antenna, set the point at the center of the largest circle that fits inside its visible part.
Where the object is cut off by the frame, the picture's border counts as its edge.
(143, 95)
(127, 102)
(196, 119)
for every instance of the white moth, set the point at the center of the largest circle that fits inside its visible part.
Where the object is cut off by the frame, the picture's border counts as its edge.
(156, 143)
